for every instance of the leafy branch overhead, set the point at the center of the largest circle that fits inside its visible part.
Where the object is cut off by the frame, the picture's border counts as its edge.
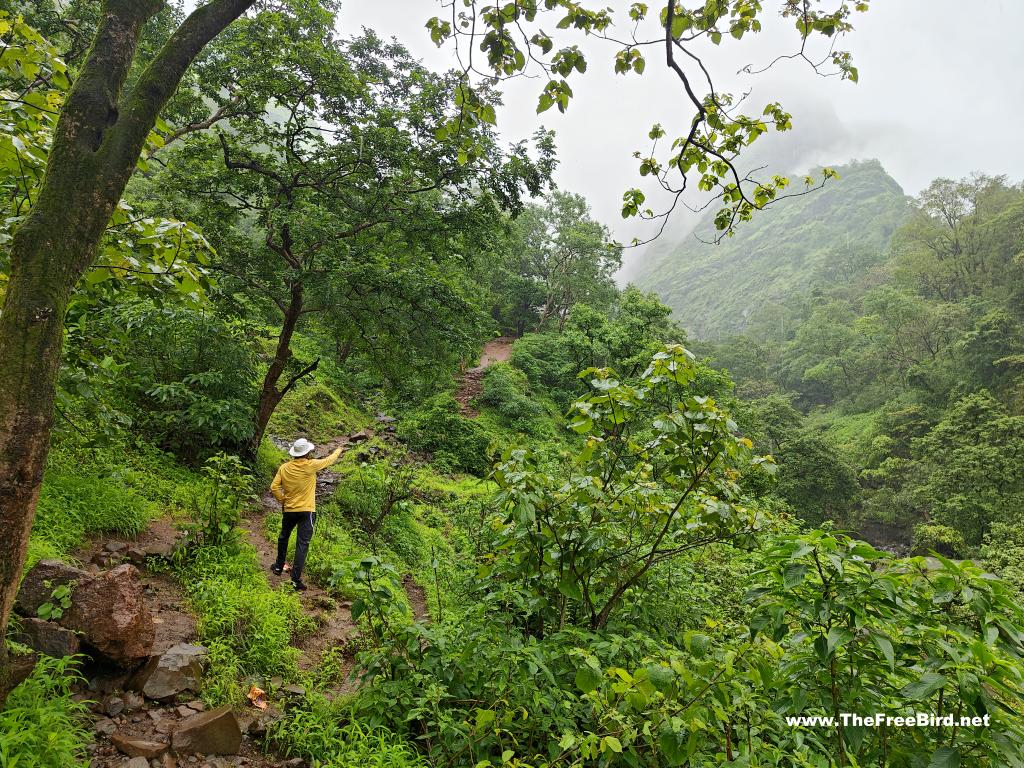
(701, 164)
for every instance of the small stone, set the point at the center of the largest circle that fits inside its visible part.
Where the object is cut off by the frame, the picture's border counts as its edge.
(276, 682)
(137, 762)
(294, 690)
(135, 747)
(155, 715)
(295, 762)
(169, 761)
(178, 669)
(358, 437)
(133, 701)
(137, 718)
(184, 711)
(115, 546)
(135, 556)
(106, 726)
(214, 732)
(160, 549)
(196, 705)
(114, 706)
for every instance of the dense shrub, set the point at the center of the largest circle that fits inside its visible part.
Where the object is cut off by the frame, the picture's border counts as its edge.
(933, 537)
(323, 733)
(184, 376)
(450, 438)
(506, 391)
(549, 365)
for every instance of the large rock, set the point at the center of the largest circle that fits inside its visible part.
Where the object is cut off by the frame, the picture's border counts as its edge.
(47, 638)
(211, 733)
(176, 670)
(44, 577)
(110, 612)
(107, 609)
(136, 747)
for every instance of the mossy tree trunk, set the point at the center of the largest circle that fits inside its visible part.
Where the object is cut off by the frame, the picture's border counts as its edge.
(96, 145)
(270, 393)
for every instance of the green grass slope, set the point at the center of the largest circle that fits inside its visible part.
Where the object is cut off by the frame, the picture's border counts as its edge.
(717, 290)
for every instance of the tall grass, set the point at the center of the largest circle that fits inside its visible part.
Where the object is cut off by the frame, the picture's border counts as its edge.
(114, 490)
(41, 726)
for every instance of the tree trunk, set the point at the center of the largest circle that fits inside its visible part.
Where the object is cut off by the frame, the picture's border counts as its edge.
(270, 395)
(96, 146)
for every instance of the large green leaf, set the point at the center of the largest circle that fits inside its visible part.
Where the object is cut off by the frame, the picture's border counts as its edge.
(929, 683)
(945, 757)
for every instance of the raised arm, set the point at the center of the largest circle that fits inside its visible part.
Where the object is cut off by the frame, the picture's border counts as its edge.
(326, 461)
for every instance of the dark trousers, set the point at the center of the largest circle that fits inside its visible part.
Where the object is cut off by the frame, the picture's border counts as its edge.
(304, 521)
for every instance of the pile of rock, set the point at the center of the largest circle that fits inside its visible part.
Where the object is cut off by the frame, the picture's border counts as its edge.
(117, 552)
(137, 697)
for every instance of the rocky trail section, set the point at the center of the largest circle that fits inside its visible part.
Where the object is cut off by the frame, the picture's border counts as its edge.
(470, 383)
(144, 672)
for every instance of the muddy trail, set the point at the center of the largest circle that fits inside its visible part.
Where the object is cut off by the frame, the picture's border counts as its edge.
(470, 383)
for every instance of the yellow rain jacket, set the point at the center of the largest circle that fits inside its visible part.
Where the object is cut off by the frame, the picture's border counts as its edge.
(295, 482)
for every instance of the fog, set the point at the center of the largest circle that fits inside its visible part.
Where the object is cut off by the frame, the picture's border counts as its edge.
(941, 92)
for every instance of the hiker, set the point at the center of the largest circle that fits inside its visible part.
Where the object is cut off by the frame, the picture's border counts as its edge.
(295, 487)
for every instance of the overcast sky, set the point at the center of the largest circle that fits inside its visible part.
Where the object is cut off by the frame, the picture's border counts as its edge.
(941, 92)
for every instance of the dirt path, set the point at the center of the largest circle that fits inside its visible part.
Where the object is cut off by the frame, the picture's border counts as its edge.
(471, 382)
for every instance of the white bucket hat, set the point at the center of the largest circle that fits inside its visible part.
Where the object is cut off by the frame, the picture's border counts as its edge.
(300, 448)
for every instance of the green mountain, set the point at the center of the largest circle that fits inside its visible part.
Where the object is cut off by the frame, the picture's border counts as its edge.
(801, 242)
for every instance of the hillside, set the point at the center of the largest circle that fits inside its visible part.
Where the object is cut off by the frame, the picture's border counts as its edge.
(717, 290)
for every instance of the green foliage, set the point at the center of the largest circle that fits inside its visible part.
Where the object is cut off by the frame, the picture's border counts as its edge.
(557, 257)
(506, 392)
(373, 492)
(247, 626)
(437, 428)
(858, 633)
(972, 476)
(323, 733)
(624, 334)
(379, 599)
(217, 509)
(60, 601)
(548, 364)
(931, 537)
(1002, 552)
(41, 724)
(657, 476)
(472, 690)
(180, 376)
